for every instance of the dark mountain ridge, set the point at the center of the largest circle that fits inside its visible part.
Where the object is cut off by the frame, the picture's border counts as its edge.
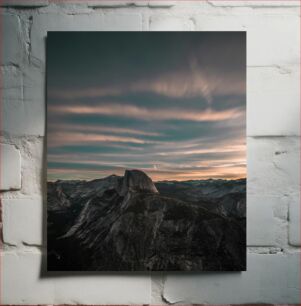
(129, 223)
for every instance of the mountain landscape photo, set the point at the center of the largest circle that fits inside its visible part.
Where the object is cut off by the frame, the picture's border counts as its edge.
(129, 223)
(146, 151)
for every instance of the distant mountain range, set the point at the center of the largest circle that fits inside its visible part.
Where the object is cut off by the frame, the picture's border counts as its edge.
(131, 224)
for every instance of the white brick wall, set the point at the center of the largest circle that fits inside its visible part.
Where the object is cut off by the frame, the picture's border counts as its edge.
(273, 118)
(270, 279)
(10, 172)
(95, 21)
(294, 220)
(22, 3)
(25, 284)
(23, 220)
(13, 44)
(170, 23)
(273, 88)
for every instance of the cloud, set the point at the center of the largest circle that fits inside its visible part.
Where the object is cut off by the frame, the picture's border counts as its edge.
(174, 158)
(192, 83)
(131, 111)
(222, 149)
(219, 158)
(222, 163)
(64, 138)
(99, 129)
(179, 115)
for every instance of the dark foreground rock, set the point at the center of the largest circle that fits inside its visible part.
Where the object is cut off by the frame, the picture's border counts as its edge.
(124, 224)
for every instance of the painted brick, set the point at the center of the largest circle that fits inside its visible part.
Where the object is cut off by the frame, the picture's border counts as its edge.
(24, 103)
(157, 287)
(22, 283)
(161, 3)
(267, 221)
(24, 119)
(164, 23)
(250, 3)
(23, 100)
(113, 3)
(10, 167)
(122, 22)
(35, 101)
(269, 279)
(276, 89)
(88, 22)
(273, 165)
(260, 226)
(11, 78)
(67, 7)
(33, 168)
(13, 46)
(118, 3)
(272, 34)
(24, 3)
(22, 221)
(294, 220)
(268, 34)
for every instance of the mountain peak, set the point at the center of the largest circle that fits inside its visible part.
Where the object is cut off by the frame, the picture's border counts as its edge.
(137, 181)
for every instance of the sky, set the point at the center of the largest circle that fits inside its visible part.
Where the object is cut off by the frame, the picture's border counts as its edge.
(172, 104)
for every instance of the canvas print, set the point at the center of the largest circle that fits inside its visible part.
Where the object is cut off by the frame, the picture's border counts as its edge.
(146, 151)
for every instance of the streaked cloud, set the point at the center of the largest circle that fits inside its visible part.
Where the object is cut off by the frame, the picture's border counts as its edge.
(231, 149)
(64, 138)
(131, 111)
(177, 115)
(100, 129)
(194, 83)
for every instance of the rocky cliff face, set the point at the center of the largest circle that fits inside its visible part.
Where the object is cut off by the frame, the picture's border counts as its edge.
(137, 181)
(126, 224)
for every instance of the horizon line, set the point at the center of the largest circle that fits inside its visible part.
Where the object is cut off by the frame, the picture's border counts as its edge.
(158, 181)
